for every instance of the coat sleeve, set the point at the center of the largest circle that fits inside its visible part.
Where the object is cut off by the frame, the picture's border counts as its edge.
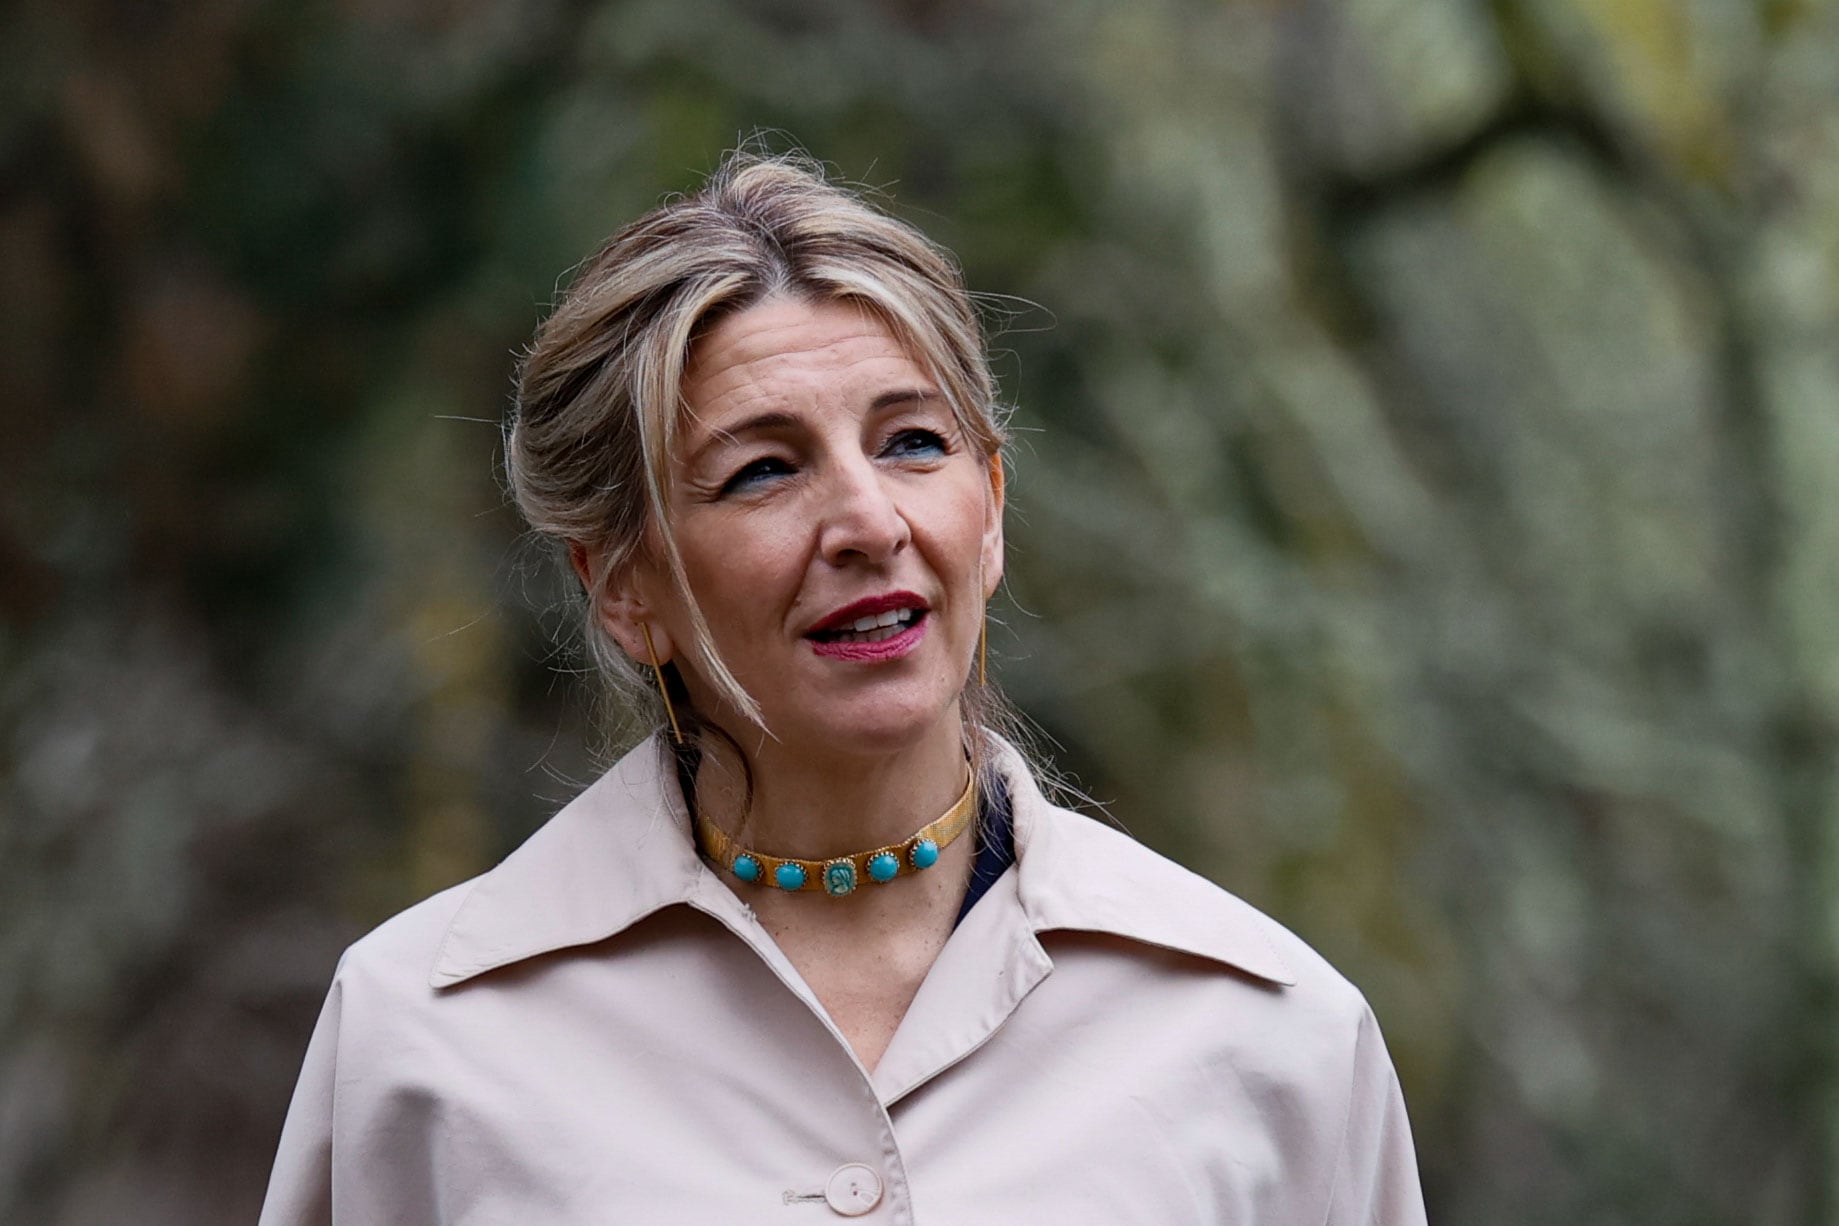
(300, 1186)
(1376, 1173)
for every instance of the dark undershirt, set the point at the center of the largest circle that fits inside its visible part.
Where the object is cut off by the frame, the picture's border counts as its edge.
(995, 835)
(995, 848)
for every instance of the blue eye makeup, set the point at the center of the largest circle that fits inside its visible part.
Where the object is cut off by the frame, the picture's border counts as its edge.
(915, 442)
(910, 443)
(754, 472)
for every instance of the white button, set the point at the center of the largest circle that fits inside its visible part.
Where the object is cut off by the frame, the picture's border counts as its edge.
(853, 1190)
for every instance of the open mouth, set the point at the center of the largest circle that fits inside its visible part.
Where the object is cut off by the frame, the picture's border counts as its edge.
(872, 628)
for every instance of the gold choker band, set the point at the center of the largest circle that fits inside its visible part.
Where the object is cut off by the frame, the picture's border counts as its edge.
(840, 875)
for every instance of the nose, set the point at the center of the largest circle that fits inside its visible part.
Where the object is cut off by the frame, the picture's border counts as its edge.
(860, 519)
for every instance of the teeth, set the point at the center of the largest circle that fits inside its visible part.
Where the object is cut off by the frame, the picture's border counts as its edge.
(893, 617)
(874, 629)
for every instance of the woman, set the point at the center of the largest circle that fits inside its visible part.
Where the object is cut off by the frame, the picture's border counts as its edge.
(819, 946)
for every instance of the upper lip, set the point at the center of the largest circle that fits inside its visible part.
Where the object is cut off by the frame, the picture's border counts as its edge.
(869, 607)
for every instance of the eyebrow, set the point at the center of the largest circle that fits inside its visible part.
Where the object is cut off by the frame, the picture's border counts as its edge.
(776, 419)
(761, 423)
(901, 396)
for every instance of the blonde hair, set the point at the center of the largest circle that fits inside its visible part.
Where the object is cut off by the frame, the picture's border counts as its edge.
(598, 412)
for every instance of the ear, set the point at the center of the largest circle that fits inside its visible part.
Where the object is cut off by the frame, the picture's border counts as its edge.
(992, 559)
(624, 606)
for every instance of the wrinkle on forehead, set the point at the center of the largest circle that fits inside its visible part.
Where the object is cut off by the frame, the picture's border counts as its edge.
(754, 358)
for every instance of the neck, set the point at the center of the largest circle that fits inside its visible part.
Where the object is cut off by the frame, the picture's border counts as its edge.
(811, 805)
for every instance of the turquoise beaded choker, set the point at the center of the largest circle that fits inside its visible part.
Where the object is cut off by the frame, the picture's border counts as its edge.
(839, 875)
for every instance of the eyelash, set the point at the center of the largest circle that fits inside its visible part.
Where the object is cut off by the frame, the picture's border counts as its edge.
(751, 472)
(755, 471)
(931, 438)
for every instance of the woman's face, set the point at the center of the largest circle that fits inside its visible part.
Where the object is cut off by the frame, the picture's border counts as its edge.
(823, 485)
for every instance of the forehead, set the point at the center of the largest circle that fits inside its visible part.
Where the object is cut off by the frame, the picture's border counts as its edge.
(784, 348)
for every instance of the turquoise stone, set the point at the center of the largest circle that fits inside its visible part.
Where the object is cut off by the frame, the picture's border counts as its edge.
(789, 876)
(884, 866)
(839, 878)
(925, 853)
(746, 868)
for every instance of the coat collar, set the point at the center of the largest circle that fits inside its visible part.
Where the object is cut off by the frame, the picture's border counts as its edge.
(623, 850)
(615, 854)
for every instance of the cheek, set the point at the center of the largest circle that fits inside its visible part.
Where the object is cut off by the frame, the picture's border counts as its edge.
(970, 517)
(738, 576)
(956, 553)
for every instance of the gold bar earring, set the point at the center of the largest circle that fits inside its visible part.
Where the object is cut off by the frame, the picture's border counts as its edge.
(983, 650)
(657, 672)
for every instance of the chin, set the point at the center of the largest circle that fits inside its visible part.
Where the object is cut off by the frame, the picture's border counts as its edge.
(871, 728)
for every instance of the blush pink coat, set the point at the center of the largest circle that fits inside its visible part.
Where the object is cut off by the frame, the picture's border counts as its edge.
(599, 1031)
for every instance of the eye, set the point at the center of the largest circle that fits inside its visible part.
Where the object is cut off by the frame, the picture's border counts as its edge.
(756, 472)
(915, 443)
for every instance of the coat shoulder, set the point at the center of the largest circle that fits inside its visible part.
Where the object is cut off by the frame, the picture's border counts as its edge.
(399, 953)
(1104, 879)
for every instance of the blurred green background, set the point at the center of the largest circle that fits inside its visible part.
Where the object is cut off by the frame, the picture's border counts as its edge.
(1425, 520)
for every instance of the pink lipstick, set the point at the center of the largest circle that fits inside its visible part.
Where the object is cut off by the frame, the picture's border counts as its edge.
(876, 629)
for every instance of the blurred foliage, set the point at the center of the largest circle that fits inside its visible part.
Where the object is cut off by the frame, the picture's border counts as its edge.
(1424, 519)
